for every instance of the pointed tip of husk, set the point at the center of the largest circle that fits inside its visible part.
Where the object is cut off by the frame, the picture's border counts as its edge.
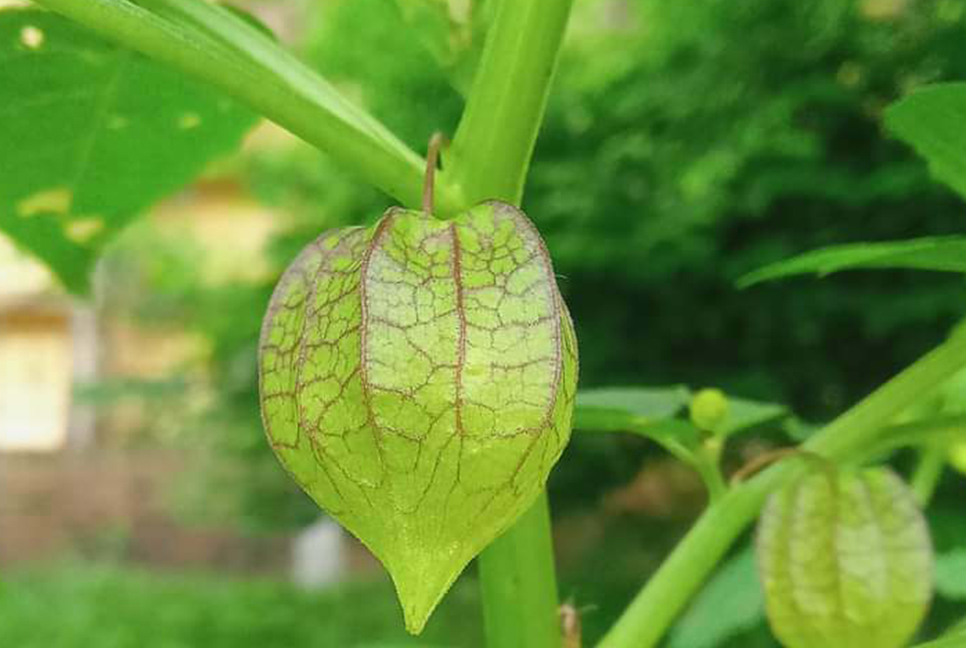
(421, 582)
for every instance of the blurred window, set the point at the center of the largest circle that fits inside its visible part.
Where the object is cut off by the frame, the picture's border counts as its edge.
(35, 381)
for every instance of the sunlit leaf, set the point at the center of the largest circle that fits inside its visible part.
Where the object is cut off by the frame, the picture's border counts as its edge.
(947, 254)
(933, 121)
(91, 135)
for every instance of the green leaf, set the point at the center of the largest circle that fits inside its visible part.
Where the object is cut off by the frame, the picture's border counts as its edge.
(647, 403)
(642, 409)
(951, 575)
(417, 379)
(730, 603)
(208, 42)
(92, 135)
(845, 560)
(745, 414)
(933, 121)
(648, 411)
(945, 254)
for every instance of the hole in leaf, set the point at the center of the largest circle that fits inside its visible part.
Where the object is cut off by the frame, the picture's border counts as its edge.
(189, 120)
(31, 37)
(82, 230)
(56, 200)
(459, 11)
(117, 122)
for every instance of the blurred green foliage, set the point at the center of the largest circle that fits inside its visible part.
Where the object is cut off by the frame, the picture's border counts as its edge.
(74, 605)
(710, 138)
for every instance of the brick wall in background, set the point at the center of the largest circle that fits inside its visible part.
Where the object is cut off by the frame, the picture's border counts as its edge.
(95, 504)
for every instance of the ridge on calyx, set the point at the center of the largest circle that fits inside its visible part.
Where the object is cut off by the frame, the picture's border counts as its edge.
(417, 379)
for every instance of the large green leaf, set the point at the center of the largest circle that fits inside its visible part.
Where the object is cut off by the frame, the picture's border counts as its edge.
(941, 253)
(933, 121)
(91, 135)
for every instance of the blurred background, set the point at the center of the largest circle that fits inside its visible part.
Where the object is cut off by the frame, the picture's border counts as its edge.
(686, 144)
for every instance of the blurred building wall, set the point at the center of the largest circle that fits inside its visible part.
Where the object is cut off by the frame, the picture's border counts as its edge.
(37, 360)
(113, 504)
(63, 490)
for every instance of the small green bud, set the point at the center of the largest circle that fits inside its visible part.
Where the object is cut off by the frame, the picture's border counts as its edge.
(709, 410)
(417, 379)
(845, 561)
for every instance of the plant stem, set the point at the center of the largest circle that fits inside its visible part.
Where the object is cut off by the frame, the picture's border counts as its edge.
(519, 584)
(707, 462)
(211, 43)
(657, 605)
(928, 472)
(944, 430)
(495, 139)
(489, 158)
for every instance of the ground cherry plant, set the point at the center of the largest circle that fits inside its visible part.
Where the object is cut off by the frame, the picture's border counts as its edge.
(418, 378)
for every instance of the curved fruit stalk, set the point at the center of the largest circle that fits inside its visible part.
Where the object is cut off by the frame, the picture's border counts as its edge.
(845, 560)
(417, 379)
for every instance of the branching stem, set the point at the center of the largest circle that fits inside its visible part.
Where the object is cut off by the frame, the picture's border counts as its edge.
(650, 614)
(489, 160)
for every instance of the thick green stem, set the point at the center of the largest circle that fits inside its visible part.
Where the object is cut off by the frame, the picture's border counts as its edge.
(657, 605)
(214, 45)
(519, 584)
(494, 142)
(489, 158)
